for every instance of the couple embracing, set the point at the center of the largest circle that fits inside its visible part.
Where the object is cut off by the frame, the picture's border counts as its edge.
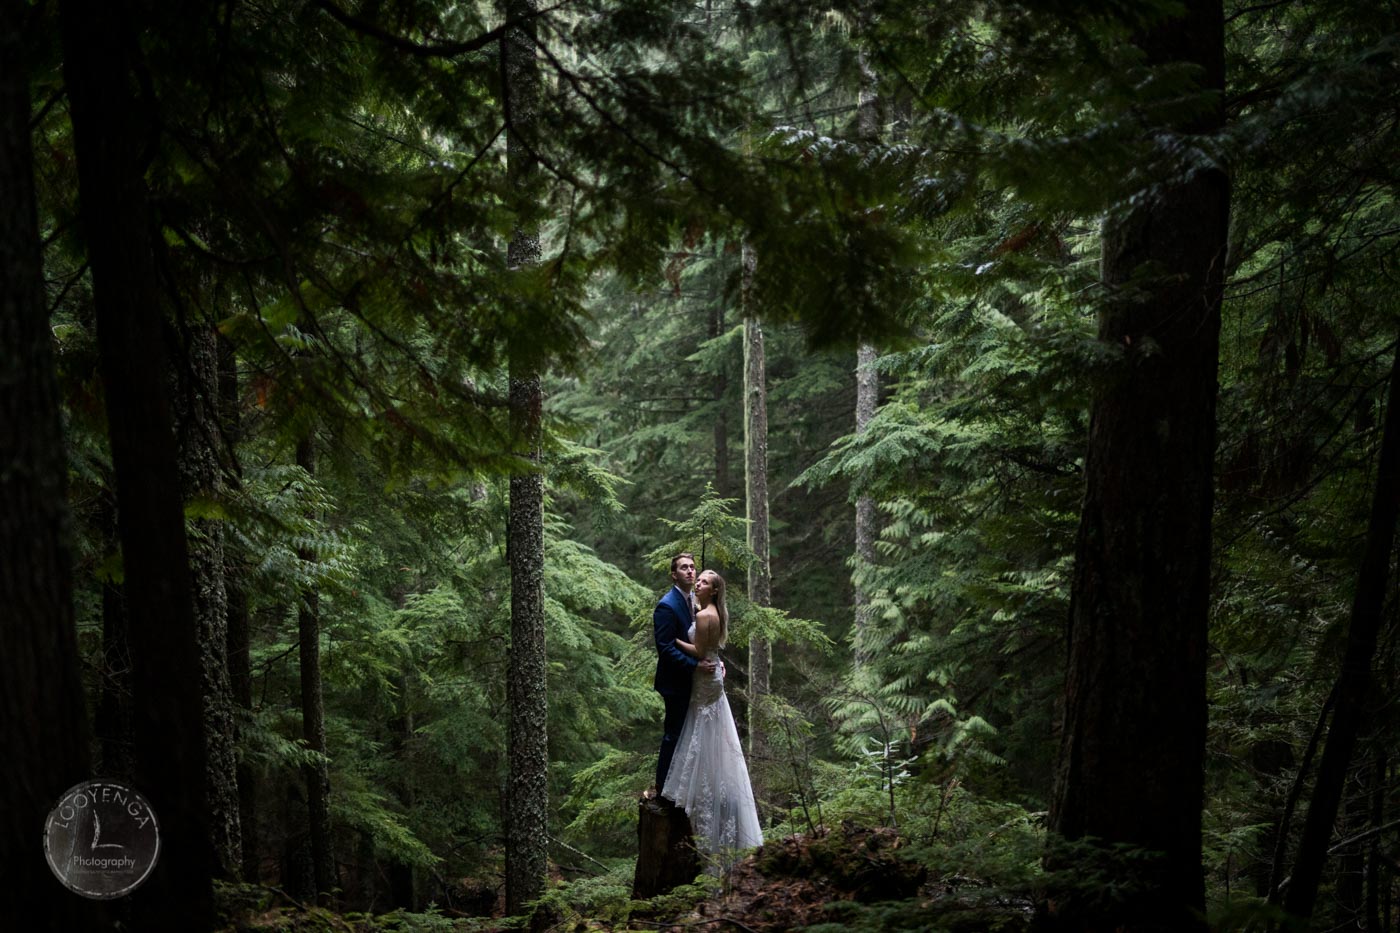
(701, 767)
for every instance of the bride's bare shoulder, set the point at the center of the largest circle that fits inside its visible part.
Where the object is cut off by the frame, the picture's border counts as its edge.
(706, 623)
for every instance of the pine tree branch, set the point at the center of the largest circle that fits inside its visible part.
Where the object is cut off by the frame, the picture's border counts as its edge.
(434, 49)
(563, 844)
(1362, 837)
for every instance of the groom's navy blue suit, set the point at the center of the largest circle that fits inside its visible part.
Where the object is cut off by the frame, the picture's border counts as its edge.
(674, 671)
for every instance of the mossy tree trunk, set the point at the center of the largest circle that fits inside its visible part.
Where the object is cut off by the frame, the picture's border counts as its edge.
(196, 407)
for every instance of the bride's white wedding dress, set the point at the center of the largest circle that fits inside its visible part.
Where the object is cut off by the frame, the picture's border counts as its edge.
(708, 777)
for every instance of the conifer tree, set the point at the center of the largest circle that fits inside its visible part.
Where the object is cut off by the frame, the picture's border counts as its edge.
(110, 128)
(43, 724)
(1131, 763)
(760, 588)
(867, 379)
(196, 409)
(527, 791)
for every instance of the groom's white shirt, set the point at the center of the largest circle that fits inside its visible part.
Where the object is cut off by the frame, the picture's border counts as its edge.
(688, 599)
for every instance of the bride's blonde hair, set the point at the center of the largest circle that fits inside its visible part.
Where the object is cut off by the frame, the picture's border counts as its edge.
(721, 606)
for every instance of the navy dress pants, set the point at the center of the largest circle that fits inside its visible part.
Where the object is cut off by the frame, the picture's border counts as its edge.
(676, 706)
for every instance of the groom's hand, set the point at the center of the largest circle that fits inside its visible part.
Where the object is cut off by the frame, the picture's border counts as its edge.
(707, 666)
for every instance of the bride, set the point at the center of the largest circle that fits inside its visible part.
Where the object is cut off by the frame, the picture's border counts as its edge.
(708, 777)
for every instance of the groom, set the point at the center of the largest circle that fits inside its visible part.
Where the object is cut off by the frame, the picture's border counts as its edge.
(671, 620)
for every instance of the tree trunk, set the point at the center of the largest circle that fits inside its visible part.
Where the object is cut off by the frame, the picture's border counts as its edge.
(666, 855)
(527, 802)
(238, 631)
(756, 497)
(296, 871)
(313, 720)
(867, 394)
(115, 740)
(241, 690)
(109, 130)
(720, 387)
(1349, 891)
(1355, 677)
(1373, 849)
(867, 386)
(1130, 770)
(196, 420)
(43, 723)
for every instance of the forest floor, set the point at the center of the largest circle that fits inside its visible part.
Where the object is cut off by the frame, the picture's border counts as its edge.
(850, 878)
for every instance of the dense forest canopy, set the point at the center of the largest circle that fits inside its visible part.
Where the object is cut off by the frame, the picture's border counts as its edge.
(1029, 369)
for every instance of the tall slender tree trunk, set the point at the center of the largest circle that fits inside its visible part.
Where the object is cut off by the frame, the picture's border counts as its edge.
(719, 387)
(756, 497)
(1349, 886)
(1131, 762)
(867, 384)
(1355, 678)
(110, 131)
(238, 628)
(527, 795)
(867, 396)
(313, 720)
(43, 723)
(196, 420)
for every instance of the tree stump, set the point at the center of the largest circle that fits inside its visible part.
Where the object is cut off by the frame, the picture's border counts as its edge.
(666, 855)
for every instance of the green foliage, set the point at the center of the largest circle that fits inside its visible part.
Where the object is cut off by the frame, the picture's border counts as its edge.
(607, 898)
(711, 532)
(337, 206)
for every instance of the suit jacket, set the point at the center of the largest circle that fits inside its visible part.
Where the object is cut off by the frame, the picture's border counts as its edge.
(674, 667)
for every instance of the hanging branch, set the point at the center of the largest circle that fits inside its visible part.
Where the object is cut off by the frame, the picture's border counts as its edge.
(436, 49)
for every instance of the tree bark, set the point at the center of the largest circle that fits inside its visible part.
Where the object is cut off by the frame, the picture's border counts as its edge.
(867, 385)
(196, 420)
(756, 497)
(313, 720)
(43, 723)
(867, 395)
(719, 388)
(112, 722)
(238, 629)
(527, 803)
(1378, 788)
(666, 855)
(1131, 761)
(1355, 677)
(110, 130)
(1349, 886)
